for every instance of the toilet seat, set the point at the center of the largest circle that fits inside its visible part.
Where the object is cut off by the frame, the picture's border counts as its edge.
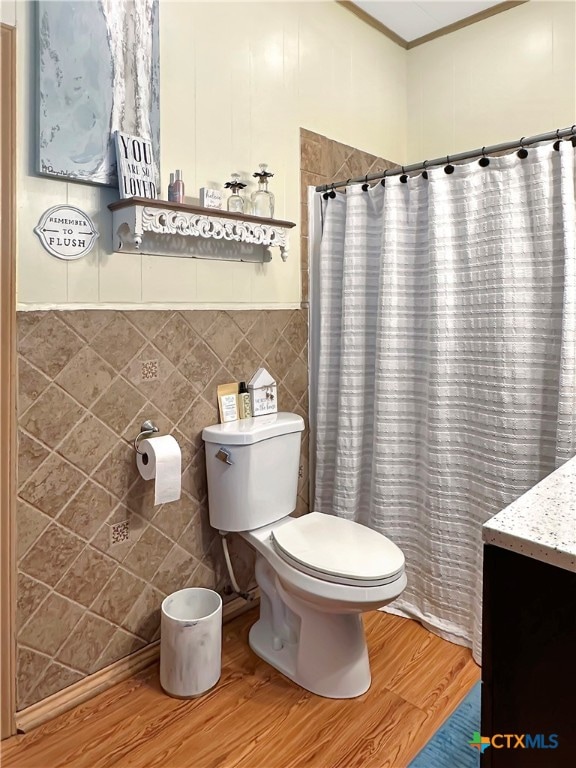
(339, 551)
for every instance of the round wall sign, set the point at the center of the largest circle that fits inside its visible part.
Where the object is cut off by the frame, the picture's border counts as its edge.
(66, 232)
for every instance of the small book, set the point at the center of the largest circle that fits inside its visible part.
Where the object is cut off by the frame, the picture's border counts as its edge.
(136, 168)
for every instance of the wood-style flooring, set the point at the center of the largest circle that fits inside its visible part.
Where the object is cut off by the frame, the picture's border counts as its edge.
(256, 718)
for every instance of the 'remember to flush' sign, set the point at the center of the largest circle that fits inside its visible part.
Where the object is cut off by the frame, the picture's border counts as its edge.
(136, 170)
(66, 232)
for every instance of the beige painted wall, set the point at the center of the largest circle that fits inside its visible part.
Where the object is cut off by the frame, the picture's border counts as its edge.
(8, 12)
(509, 76)
(237, 82)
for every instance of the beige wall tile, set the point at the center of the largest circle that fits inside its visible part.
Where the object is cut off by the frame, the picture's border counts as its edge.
(87, 443)
(173, 518)
(30, 593)
(52, 416)
(122, 644)
(87, 510)
(52, 485)
(117, 596)
(148, 321)
(147, 554)
(223, 335)
(31, 384)
(175, 339)
(50, 358)
(144, 618)
(118, 342)
(200, 365)
(86, 643)
(30, 523)
(118, 472)
(175, 570)
(175, 396)
(52, 554)
(31, 454)
(86, 322)
(53, 622)
(55, 678)
(30, 665)
(149, 370)
(86, 376)
(119, 405)
(83, 581)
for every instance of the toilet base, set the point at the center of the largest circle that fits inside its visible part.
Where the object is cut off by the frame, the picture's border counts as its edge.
(322, 652)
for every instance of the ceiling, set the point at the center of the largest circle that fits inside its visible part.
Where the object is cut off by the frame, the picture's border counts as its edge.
(412, 20)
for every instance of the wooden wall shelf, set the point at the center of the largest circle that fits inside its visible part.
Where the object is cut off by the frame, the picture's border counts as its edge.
(157, 227)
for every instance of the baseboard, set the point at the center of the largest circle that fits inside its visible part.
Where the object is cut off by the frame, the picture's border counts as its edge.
(90, 686)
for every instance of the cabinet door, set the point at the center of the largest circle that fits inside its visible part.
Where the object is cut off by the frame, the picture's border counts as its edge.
(528, 660)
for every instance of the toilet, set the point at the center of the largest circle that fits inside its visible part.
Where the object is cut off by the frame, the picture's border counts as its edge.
(316, 573)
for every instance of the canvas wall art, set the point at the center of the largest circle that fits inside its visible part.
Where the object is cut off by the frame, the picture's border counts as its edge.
(99, 71)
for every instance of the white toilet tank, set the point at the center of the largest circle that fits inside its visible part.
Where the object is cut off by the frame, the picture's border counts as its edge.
(252, 468)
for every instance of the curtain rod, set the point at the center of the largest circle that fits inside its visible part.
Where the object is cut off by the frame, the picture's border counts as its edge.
(559, 134)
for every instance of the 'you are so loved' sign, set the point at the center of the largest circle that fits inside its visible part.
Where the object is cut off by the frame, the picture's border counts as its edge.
(136, 173)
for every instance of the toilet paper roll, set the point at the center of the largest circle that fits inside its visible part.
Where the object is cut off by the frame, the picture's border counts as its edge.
(161, 459)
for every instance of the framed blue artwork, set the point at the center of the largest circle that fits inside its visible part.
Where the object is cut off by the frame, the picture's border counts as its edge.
(98, 72)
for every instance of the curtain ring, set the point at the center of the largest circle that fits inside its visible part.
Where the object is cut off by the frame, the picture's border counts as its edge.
(383, 181)
(522, 152)
(448, 168)
(365, 186)
(484, 161)
(557, 142)
(425, 171)
(332, 193)
(404, 177)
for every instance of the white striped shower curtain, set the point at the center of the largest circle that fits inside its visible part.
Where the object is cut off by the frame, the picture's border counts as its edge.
(446, 382)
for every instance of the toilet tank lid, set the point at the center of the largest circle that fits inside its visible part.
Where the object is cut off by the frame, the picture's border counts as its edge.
(248, 431)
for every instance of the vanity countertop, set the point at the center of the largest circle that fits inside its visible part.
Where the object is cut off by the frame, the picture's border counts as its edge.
(542, 523)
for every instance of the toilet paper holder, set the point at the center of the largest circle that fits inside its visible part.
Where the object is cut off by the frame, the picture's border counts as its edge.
(146, 428)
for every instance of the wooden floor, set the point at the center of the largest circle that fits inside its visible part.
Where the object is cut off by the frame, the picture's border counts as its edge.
(256, 718)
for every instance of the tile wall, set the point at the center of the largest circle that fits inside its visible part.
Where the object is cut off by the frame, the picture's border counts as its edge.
(323, 160)
(87, 379)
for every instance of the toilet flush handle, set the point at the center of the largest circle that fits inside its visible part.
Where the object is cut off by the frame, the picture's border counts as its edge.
(224, 455)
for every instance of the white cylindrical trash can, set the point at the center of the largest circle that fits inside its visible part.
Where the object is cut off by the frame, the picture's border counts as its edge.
(190, 642)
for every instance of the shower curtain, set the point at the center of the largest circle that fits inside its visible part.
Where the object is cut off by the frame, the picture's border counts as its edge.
(446, 382)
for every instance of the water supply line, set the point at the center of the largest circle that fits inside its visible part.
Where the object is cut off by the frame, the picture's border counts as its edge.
(245, 595)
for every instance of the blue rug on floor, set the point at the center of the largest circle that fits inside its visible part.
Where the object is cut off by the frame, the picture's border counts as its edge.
(449, 747)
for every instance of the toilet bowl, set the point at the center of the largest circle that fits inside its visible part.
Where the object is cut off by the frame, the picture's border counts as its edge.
(317, 573)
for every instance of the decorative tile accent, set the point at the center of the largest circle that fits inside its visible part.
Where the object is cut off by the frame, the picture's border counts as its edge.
(149, 370)
(78, 472)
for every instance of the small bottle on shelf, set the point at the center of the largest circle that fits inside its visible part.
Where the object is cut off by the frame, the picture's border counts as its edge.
(235, 202)
(262, 199)
(178, 188)
(171, 189)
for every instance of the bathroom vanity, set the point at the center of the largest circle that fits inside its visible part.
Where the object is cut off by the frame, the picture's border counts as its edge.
(529, 627)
